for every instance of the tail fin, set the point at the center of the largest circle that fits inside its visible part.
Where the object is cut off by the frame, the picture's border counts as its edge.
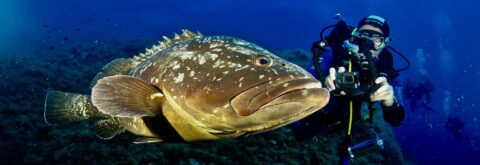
(62, 107)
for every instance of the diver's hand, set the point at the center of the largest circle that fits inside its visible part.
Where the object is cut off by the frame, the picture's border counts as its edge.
(384, 93)
(331, 77)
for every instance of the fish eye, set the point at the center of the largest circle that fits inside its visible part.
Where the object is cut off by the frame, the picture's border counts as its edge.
(262, 61)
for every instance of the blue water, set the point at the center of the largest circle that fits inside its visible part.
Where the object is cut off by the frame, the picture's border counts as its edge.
(447, 31)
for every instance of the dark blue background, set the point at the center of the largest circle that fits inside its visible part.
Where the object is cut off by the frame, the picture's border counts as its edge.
(432, 25)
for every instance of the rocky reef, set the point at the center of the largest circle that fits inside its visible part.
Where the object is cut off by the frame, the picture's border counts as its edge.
(25, 138)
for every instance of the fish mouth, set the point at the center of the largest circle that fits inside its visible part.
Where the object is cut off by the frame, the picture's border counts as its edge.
(251, 100)
(279, 123)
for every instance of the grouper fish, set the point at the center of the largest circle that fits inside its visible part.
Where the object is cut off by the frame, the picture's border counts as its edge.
(192, 88)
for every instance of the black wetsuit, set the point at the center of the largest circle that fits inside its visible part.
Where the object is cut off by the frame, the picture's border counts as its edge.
(337, 110)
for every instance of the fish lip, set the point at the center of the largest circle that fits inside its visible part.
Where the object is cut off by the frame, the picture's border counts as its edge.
(277, 124)
(252, 99)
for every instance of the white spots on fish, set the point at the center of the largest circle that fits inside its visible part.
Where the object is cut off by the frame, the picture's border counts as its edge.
(214, 45)
(241, 68)
(186, 55)
(192, 73)
(215, 110)
(156, 80)
(229, 57)
(209, 55)
(217, 50)
(164, 71)
(219, 64)
(241, 78)
(84, 113)
(226, 72)
(219, 79)
(285, 85)
(275, 71)
(214, 77)
(240, 85)
(226, 105)
(207, 89)
(269, 78)
(304, 92)
(179, 78)
(252, 69)
(202, 60)
(175, 97)
(261, 76)
(208, 74)
(213, 56)
(188, 68)
(143, 70)
(242, 50)
(291, 76)
(176, 65)
(234, 65)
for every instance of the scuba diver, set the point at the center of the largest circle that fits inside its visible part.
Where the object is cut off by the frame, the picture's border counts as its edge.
(419, 94)
(455, 125)
(357, 68)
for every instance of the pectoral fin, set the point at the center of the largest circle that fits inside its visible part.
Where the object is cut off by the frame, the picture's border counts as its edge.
(126, 96)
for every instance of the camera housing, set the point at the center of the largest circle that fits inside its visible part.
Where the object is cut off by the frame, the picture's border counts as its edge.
(348, 84)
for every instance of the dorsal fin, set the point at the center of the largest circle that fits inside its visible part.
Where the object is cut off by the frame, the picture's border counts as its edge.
(120, 66)
(123, 66)
(167, 42)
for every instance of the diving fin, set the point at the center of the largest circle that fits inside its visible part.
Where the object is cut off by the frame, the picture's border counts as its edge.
(144, 140)
(63, 107)
(108, 128)
(126, 96)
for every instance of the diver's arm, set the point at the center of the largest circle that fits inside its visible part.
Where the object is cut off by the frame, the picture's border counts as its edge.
(324, 57)
(394, 114)
(393, 111)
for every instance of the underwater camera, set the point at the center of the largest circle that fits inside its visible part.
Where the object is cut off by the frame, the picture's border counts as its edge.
(366, 146)
(348, 84)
